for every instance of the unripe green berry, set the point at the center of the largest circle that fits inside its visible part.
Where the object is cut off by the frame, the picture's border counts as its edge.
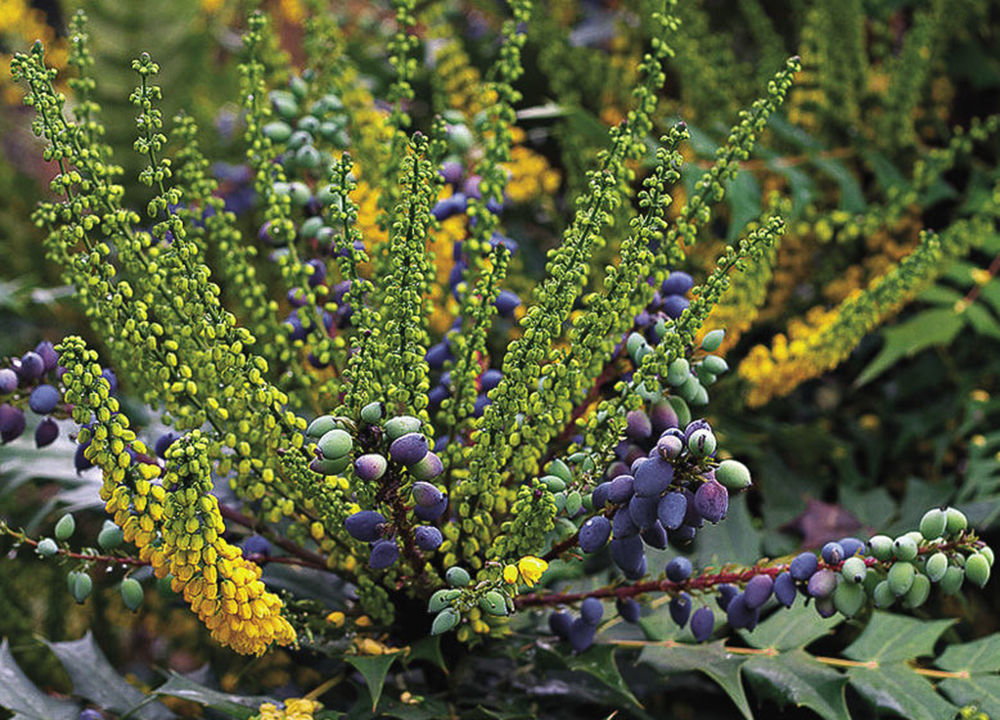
(47, 547)
(131, 593)
(457, 576)
(714, 364)
(951, 583)
(553, 483)
(883, 595)
(712, 340)
(904, 548)
(398, 426)
(936, 566)
(110, 537)
(977, 569)
(733, 475)
(679, 372)
(881, 547)
(681, 409)
(956, 521)
(900, 577)
(849, 598)
(277, 131)
(574, 501)
(82, 586)
(494, 603)
(987, 552)
(65, 527)
(854, 570)
(918, 593)
(441, 598)
(335, 444)
(445, 621)
(933, 523)
(321, 426)
(372, 413)
(560, 469)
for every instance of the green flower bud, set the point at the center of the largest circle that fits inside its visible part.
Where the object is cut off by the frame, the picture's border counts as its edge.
(849, 598)
(47, 547)
(65, 527)
(131, 593)
(936, 566)
(977, 569)
(918, 593)
(904, 548)
(712, 340)
(445, 621)
(733, 475)
(457, 576)
(900, 577)
(933, 523)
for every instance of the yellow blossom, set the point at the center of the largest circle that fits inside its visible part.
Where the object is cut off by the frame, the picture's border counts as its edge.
(531, 568)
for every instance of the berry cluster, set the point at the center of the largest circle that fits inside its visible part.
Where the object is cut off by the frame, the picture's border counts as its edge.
(32, 381)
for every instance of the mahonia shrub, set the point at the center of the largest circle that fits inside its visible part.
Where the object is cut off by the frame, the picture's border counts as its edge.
(458, 460)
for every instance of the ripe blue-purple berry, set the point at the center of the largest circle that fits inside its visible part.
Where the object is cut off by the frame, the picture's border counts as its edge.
(408, 449)
(429, 513)
(655, 536)
(638, 425)
(559, 623)
(12, 423)
(506, 303)
(822, 584)
(643, 511)
(671, 510)
(8, 381)
(591, 610)
(679, 569)
(365, 525)
(852, 546)
(256, 545)
(712, 501)
(594, 533)
(832, 553)
(702, 623)
(370, 467)
(428, 537)
(581, 635)
(164, 442)
(621, 489)
(784, 588)
(726, 592)
(384, 554)
(623, 525)
(627, 554)
(758, 590)
(599, 497)
(803, 566)
(677, 283)
(680, 608)
(740, 615)
(425, 494)
(46, 432)
(652, 477)
(629, 609)
(50, 358)
(32, 366)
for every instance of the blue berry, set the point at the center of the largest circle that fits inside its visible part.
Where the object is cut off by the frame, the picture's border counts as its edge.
(591, 611)
(784, 588)
(426, 494)
(80, 460)
(672, 509)
(8, 381)
(46, 432)
(679, 569)
(682, 536)
(623, 525)
(669, 446)
(365, 525)
(256, 545)
(803, 566)
(712, 501)
(370, 467)
(384, 554)
(438, 355)
(852, 546)
(702, 623)
(594, 533)
(48, 354)
(506, 303)
(832, 553)
(653, 477)
(638, 425)
(741, 615)
(32, 366)
(431, 512)
(726, 592)
(12, 423)
(621, 489)
(629, 609)
(758, 590)
(674, 306)
(627, 554)
(428, 537)
(164, 442)
(408, 449)
(822, 584)
(600, 495)
(643, 511)
(680, 608)
(581, 635)
(677, 283)
(559, 623)
(655, 536)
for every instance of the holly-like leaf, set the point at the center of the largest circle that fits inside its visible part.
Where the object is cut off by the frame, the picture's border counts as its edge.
(20, 696)
(896, 688)
(734, 541)
(794, 677)
(893, 638)
(237, 706)
(978, 656)
(429, 649)
(373, 669)
(96, 680)
(743, 197)
(793, 628)
(599, 662)
(937, 326)
(713, 660)
(983, 691)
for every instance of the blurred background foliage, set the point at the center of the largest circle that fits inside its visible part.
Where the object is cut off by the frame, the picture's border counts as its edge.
(866, 152)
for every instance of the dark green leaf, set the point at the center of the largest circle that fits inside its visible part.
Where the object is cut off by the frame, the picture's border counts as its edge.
(937, 326)
(20, 696)
(734, 541)
(373, 669)
(429, 649)
(94, 679)
(983, 691)
(599, 662)
(795, 627)
(712, 660)
(238, 706)
(893, 638)
(796, 678)
(897, 689)
(978, 656)
(743, 196)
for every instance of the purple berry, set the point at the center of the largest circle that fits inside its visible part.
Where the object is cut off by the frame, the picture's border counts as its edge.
(46, 432)
(370, 467)
(599, 497)
(109, 375)
(318, 272)
(663, 416)
(852, 546)
(256, 545)
(365, 525)
(691, 516)
(626, 552)
(712, 501)
(653, 477)
(591, 610)
(677, 283)
(622, 524)
(8, 381)
(702, 623)
(12, 423)
(832, 553)
(80, 460)
(784, 588)
(669, 447)
(471, 187)
(679, 569)
(43, 399)
(50, 358)
(426, 494)
(822, 584)
(680, 608)
(674, 305)
(164, 442)
(408, 449)
(682, 536)
(384, 554)
(825, 607)
(726, 592)
(638, 426)
(452, 205)
(451, 171)
(506, 303)
(559, 623)
(594, 533)
(629, 609)
(428, 537)
(740, 615)
(643, 510)
(758, 590)
(431, 512)
(490, 379)
(621, 489)
(32, 366)
(438, 355)
(672, 509)
(803, 566)
(581, 635)
(655, 536)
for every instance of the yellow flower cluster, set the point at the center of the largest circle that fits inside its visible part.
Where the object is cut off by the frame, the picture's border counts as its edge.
(294, 709)
(461, 83)
(529, 174)
(529, 568)
(20, 25)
